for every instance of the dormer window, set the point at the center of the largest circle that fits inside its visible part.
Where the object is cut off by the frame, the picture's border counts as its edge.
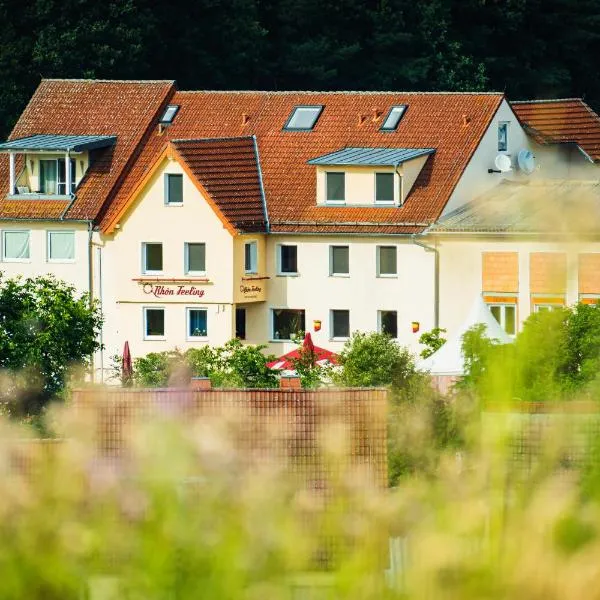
(384, 187)
(393, 118)
(53, 177)
(303, 118)
(336, 187)
(169, 114)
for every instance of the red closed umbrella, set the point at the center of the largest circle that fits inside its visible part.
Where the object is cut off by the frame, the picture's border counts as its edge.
(126, 366)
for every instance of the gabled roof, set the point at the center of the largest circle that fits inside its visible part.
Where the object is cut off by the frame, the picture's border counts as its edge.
(452, 123)
(125, 109)
(374, 157)
(561, 121)
(548, 206)
(58, 143)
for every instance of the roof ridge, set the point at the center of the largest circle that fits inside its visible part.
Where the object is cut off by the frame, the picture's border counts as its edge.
(547, 101)
(84, 80)
(346, 92)
(212, 139)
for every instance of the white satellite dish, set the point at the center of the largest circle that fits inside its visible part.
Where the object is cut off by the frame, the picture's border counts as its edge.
(526, 161)
(502, 163)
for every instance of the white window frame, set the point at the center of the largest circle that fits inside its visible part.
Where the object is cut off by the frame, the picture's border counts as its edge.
(186, 260)
(145, 323)
(339, 338)
(332, 273)
(334, 202)
(195, 338)
(391, 202)
(377, 260)
(150, 272)
(379, 321)
(166, 184)
(60, 260)
(500, 125)
(281, 273)
(15, 260)
(502, 306)
(272, 310)
(253, 267)
(546, 306)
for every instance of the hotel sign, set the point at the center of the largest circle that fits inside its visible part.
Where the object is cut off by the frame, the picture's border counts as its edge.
(172, 291)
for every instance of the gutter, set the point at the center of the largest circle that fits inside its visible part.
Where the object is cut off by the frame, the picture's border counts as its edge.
(260, 181)
(436, 278)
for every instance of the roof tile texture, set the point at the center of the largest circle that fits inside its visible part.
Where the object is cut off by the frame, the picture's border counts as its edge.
(88, 107)
(560, 121)
(229, 172)
(431, 121)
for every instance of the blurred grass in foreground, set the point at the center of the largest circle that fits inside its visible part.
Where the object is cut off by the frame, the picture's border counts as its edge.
(182, 513)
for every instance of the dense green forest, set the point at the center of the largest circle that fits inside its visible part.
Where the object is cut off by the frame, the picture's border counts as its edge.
(528, 48)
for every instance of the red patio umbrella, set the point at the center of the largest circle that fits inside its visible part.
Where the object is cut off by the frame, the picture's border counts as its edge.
(286, 362)
(126, 366)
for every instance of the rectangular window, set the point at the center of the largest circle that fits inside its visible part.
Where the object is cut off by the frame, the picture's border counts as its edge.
(303, 118)
(251, 257)
(547, 307)
(336, 187)
(388, 322)
(288, 259)
(48, 177)
(386, 261)
(152, 257)
(240, 323)
(15, 246)
(393, 118)
(173, 189)
(506, 315)
(288, 322)
(195, 258)
(62, 177)
(384, 187)
(339, 260)
(154, 323)
(61, 245)
(340, 323)
(197, 319)
(502, 137)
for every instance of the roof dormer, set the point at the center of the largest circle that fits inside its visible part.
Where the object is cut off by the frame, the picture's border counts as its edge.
(50, 166)
(368, 176)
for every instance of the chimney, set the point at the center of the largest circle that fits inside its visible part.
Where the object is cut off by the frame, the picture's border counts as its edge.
(290, 382)
(245, 118)
(200, 383)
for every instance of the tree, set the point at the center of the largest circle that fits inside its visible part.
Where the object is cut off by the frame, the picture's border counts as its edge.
(46, 330)
(432, 340)
(373, 360)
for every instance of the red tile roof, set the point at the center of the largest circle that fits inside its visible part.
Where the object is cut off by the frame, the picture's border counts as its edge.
(561, 121)
(451, 123)
(121, 108)
(228, 170)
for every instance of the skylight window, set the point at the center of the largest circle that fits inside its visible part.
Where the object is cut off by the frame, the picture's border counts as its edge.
(303, 118)
(169, 114)
(393, 118)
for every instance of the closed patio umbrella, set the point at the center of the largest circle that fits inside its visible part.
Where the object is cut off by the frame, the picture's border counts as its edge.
(126, 366)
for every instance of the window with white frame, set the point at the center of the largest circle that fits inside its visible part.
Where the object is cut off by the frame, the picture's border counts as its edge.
(197, 323)
(503, 136)
(384, 187)
(335, 187)
(173, 189)
(340, 324)
(61, 246)
(287, 259)
(195, 258)
(547, 307)
(53, 177)
(251, 257)
(386, 261)
(15, 246)
(506, 316)
(287, 323)
(388, 322)
(152, 257)
(339, 260)
(154, 323)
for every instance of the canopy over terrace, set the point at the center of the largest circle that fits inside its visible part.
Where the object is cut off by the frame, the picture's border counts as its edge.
(53, 144)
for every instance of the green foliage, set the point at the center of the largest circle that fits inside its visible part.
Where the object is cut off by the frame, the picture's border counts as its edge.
(156, 368)
(311, 374)
(433, 341)
(47, 332)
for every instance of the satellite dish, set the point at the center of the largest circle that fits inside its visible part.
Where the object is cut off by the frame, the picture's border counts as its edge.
(502, 163)
(526, 161)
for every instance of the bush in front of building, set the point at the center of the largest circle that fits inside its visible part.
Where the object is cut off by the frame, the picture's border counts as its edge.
(48, 332)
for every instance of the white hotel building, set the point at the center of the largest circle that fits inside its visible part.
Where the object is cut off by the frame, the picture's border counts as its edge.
(195, 217)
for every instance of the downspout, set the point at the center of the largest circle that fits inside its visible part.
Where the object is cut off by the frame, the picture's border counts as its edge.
(90, 279)
(401, 186)
(436, 278)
